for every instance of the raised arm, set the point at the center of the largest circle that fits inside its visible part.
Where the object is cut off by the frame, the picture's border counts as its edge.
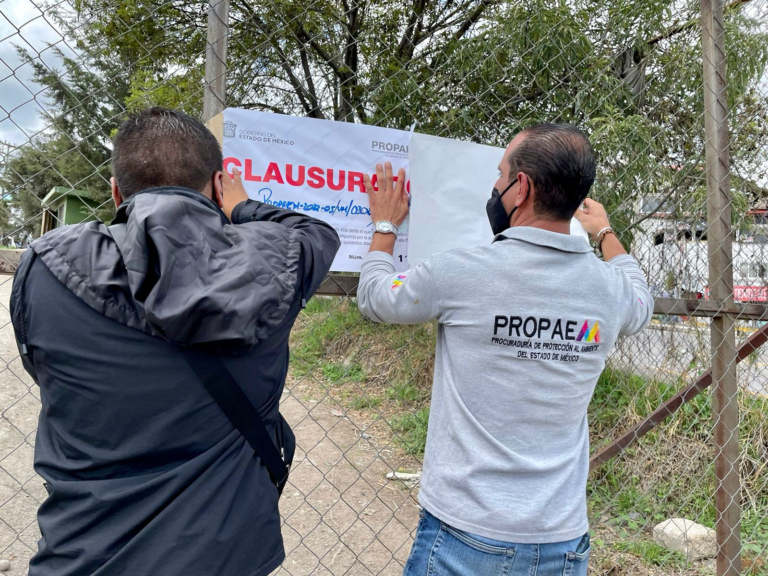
(319, 241)
(384, 295)
(639, 303)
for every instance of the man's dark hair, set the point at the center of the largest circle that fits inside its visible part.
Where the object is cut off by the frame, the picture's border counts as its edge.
(559, 159)
(161, 147)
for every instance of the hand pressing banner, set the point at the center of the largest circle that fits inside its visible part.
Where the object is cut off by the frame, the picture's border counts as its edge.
(316, 167)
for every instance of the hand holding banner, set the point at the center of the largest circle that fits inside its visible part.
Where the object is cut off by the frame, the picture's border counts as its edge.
(316, 167)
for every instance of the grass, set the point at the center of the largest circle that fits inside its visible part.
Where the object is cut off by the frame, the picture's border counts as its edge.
(337, 372)
(651, 553)
(385, 372)
(406, 393)
(669, 472)
(364, 403)
(367, 367)
(412, 431)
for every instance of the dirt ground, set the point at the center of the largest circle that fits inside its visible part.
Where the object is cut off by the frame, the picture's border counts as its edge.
(21, 490)
(341, 513)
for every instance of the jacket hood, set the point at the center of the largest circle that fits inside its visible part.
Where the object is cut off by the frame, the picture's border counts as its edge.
(185, 274)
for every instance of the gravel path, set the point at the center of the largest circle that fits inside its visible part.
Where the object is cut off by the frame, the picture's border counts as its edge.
(341, 514)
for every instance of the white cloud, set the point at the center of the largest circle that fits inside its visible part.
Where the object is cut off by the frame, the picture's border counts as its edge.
(27, 25)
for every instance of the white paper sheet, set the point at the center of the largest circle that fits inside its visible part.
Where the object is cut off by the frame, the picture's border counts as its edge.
(451, 182)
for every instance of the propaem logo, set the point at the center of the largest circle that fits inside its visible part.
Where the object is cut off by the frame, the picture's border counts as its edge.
(394, 147)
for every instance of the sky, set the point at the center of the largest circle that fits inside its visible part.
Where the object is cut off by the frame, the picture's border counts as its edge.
(27, 24)
(23, 23)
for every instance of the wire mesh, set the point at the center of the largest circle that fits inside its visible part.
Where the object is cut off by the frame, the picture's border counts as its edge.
(630, 74)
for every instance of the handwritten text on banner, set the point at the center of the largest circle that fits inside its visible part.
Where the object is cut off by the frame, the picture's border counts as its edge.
(316, 167)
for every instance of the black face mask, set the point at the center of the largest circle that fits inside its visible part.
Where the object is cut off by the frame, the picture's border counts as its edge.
(497, 214)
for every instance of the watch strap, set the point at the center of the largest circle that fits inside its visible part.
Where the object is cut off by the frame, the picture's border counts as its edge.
(394, 229)
(601, 236)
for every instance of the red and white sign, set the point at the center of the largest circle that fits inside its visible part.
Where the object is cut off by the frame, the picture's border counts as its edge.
(746, 293)
(316, 167)
(750, 293)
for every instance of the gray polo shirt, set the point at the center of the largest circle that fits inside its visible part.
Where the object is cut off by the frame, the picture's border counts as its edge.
(525, 326)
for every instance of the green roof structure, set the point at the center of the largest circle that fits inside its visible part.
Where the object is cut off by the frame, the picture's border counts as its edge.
(63, 206)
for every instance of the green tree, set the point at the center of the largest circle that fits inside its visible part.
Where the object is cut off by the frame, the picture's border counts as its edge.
(74, 151)
(629, 73)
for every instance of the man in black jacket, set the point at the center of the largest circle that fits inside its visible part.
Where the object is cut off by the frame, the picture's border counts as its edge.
(145, 473)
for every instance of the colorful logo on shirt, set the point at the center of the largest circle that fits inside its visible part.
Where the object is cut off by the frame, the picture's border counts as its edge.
(589, 334)
(397, 282)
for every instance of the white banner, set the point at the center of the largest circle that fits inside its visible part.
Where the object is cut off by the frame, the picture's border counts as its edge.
(451, 182)
(316, 167)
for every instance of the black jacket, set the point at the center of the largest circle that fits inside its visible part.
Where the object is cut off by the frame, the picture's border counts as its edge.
(145, 473)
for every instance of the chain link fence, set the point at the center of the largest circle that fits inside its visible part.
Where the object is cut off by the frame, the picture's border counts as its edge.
(644, 79)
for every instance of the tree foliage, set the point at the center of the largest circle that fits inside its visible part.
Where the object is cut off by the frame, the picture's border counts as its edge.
(629, 73)
(85, 107)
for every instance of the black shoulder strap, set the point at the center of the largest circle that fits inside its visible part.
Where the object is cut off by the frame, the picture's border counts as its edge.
(226, 392)
(19, 307)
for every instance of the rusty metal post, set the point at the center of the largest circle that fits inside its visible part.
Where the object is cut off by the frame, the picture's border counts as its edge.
(216, 59)
(725, 395)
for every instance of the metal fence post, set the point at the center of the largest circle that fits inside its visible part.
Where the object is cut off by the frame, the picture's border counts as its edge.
(725, 397)
(216, 59)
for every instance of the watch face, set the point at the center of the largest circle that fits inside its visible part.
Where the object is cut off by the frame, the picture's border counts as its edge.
(384, 227)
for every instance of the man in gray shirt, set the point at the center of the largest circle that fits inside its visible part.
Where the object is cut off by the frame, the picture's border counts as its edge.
(525, 326)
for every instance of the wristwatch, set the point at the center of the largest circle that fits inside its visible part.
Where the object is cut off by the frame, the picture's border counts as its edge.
(385, 227)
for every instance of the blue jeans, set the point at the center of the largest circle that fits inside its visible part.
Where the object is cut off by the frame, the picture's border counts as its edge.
(440, 550)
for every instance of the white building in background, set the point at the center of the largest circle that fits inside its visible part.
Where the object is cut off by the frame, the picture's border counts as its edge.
(672, 250)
